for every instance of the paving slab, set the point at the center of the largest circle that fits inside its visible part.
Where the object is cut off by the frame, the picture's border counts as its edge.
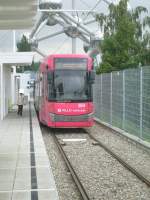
(25, 170)
(5, 195)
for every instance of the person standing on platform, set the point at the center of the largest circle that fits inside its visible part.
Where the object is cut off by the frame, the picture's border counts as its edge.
(20, 102)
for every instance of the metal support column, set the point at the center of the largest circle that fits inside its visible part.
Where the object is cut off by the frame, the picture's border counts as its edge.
(111, 98)
(101, 94)
(1, 93)
(73, 39)
(35, 29)
(123, 113)
(141, 102)
(14, 41)
(83, 27)
(49, 36)
(39, 52)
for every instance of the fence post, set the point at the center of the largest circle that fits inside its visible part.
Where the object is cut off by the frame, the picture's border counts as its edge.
(101, 103)
(123, 113)
(141, 102)
(111, 98)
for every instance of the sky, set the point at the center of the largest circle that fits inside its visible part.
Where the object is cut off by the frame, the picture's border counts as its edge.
(62, 43)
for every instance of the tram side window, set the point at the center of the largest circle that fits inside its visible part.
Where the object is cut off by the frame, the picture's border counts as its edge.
(42, 85)
(45, 86)
(50, 86)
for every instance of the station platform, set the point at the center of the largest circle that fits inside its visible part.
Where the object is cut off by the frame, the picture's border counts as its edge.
(25, 171)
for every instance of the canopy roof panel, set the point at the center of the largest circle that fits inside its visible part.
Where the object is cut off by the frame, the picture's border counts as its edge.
(17, 58)
(17, 14)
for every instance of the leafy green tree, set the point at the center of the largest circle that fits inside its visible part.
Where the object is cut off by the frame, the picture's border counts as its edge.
(35, 66)
(126, 42)
(23, 46)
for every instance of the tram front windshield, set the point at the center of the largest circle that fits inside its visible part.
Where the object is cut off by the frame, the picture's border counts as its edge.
(70, 85)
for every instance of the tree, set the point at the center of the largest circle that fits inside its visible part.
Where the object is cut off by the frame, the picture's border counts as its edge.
(23, 46)
(35, 66)
(126, 43)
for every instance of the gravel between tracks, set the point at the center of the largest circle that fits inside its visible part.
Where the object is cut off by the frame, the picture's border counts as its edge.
(103, 177)
(65, 185)
(134, 154)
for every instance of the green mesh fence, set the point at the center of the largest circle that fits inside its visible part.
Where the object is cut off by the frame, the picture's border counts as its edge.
(122, 99)
(97, 96)
(105, 98)
(132, 101)
(146, 103)
(117, 100)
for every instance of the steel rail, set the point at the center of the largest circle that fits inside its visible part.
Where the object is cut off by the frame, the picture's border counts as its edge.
(125, 134)
(72, 171)
(121, 161)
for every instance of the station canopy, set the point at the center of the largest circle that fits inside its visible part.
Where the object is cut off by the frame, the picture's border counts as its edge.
(17, 14)
(17, 58)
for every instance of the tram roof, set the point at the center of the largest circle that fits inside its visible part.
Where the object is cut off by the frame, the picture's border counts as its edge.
(66, 56)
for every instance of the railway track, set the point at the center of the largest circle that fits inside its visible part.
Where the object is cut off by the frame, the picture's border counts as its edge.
(68, 157)
(71, 169)
(140, 176)
(121, 161)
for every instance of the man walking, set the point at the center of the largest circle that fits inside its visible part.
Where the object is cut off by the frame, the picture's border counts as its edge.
(20, 102)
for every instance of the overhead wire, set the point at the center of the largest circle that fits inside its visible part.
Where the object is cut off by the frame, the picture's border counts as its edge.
(92, 9)
(85, 3)
(61, 45)
(89, 7)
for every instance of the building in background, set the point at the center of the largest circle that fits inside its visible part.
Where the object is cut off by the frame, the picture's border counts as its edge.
(7, 88)
(21, 81)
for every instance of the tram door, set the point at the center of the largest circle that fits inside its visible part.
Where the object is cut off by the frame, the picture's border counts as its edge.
(43, 97)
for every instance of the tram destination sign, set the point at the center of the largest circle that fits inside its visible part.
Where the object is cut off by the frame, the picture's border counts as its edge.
(71, 63)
